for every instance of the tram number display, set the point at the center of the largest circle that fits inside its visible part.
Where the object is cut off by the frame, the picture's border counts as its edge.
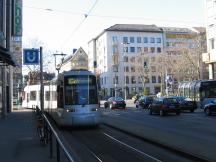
(72, 81)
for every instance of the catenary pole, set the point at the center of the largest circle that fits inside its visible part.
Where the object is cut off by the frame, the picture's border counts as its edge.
(41, 81)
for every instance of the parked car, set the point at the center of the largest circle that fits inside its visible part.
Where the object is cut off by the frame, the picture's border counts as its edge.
(164, 105)
(210, 108)
(144, 102)
(186, 103)
(115, 102)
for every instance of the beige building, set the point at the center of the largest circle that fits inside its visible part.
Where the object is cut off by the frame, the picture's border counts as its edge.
(77, 60)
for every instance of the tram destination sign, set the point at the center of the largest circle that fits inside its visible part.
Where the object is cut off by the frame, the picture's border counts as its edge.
(31, 57)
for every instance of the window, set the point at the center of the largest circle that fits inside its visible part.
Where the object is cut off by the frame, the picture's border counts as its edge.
(145, 49)
(152, 59)
(132, 69)
(115, 80)
(132, 59)
(158, 49)
(127, 79)
(159, 79)
(146, 79)
(115, 49)
(145, 39)
(125, 49)
(139, 40)
(158, 40)
(115, 68)
(139, 49)
(152, 49)
(115, 39)
(125, 59)
(153, 79)
(132, 49)
(126, 69)
(152, 40)
(153, 68)
(125, 39)
(131, 39)
(133, 80)
(139, 79)
(47, 95)
(33, 95)
(212, 42)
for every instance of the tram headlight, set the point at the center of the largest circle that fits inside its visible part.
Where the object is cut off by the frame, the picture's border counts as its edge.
(94, 109)
(70, 110)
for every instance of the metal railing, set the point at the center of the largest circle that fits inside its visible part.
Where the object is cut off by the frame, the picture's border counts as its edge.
(50, 131)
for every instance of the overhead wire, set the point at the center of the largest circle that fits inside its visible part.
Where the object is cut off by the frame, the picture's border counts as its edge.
(109, 16)
(79, 25)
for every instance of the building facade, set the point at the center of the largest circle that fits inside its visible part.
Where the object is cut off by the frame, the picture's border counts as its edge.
(131, 59)
(125, 58)
(77, 60)
(10, 26)
(210, 56)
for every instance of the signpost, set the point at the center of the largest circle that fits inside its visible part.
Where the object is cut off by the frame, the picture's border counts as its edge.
(31, 57)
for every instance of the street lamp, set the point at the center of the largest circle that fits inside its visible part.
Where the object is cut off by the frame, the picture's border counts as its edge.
(58, 54)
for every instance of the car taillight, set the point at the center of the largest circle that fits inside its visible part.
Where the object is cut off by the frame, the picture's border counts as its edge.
(163, 106)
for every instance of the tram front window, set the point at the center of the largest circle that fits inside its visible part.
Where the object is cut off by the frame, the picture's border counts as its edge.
(80, 91)
(209, 90)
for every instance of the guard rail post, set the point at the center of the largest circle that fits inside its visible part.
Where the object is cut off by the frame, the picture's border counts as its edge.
(57, 151)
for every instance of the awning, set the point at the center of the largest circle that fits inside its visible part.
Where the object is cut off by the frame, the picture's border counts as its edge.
(6, 57)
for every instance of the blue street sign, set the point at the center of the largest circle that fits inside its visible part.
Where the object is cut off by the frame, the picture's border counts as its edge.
(31, 57)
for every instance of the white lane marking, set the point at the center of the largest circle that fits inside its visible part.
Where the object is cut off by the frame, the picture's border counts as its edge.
(157, 160)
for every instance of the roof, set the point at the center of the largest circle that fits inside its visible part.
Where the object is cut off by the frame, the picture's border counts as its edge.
(131, 28)
(134, 28)
(71, 56)
(176, 30)
(6, 57)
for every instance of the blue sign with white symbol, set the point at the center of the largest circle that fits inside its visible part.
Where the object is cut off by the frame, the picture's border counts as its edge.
(31, 57)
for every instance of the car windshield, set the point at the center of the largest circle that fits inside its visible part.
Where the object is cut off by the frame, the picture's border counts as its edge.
(118, 99)
(170, 100)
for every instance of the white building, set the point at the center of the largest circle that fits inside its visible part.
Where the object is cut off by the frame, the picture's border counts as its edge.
(127, 56)
(210, 56)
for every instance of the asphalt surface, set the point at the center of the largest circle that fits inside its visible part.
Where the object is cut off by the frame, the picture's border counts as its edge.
(184, 143)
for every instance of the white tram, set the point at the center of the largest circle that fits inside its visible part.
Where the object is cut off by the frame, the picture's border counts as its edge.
(71, 99)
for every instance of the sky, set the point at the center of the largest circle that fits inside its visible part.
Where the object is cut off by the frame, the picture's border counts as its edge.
(63, 25)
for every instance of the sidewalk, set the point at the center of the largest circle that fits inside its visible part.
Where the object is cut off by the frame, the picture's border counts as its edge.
(19, 140)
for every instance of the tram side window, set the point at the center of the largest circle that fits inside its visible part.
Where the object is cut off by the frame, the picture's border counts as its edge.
(53, 96)
(60, 97)
(47, 96)
(32, 95)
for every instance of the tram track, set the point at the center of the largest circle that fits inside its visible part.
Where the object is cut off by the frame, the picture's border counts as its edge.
(110, 144)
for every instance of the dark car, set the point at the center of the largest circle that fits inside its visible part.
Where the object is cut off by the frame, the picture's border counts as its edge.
(186, 103)
(115, 102)
(164, 105)
(144, 102)
(210, 108)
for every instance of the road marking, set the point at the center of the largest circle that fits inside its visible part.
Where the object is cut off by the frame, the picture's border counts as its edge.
(157, 160)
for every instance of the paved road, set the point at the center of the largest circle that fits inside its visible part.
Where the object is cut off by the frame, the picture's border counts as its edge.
(193, 133)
